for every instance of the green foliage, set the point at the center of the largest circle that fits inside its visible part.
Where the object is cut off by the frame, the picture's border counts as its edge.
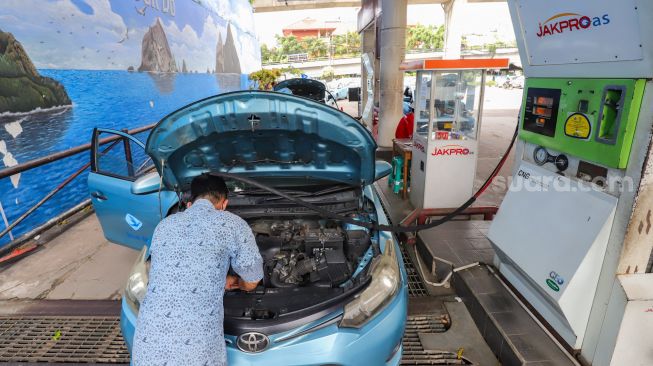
(291, 70)
(423, 37)
(491, 83)
(315, 47)
(265, 78)
(345, 45)
(289, 45)
(328, 73)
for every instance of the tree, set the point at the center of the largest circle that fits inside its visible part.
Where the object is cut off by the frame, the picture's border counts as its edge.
(348, 44)
(315, 47)
(289, 45)
(265, 78)
(291, 70)
(328, 73)
(422, 37)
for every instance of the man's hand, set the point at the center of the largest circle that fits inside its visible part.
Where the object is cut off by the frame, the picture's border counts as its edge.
(231, 283)
(247, 286)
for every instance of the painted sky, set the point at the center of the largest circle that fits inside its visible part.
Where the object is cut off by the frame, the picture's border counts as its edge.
(107, 34)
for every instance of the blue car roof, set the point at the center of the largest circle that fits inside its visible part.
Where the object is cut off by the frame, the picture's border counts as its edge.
(262, 134)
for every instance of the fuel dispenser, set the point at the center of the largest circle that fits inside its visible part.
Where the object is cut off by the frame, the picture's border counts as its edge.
(448, 108)
(583, 138)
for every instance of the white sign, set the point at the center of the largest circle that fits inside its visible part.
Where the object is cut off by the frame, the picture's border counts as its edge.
(579, 31)
(367, 110)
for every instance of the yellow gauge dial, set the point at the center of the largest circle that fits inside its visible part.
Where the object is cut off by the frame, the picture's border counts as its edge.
(578, 126)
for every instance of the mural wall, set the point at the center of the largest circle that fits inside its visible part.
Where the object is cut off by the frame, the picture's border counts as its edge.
(67, 66)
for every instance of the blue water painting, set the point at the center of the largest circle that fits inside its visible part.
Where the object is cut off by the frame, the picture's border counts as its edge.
(143, 98)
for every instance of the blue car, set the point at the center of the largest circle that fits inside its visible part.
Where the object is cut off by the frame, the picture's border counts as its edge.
(349, 307)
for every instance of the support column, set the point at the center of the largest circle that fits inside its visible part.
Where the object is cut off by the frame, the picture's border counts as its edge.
(453, 24)
(393, 50)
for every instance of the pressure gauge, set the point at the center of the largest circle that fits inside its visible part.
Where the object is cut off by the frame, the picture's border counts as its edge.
(561, 162)
(540, 155)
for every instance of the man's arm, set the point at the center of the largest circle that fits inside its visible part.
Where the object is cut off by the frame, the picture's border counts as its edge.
(247, 261)
(247, 286)
(237, 283)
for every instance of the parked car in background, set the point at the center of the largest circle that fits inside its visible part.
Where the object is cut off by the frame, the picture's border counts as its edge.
(516, 81)
(307, 88)
(334, 293)
(341, 90)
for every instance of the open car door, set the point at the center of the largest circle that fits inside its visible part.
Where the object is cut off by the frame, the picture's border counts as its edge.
(125, 189)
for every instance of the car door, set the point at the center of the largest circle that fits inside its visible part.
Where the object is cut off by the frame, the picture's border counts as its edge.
(124, 189)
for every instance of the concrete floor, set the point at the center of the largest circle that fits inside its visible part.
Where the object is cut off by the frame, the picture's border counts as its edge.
(79, 264)
(82, 264)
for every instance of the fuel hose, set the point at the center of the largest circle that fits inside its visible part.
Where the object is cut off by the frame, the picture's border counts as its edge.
(392, 228)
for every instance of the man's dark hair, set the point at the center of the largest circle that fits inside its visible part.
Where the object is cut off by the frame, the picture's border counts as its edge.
(208, 186)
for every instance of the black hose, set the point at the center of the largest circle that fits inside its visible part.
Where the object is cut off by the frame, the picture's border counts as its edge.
(275, 280)
(373, 226)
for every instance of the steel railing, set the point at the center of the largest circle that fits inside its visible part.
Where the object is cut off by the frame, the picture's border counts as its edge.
(58, 156)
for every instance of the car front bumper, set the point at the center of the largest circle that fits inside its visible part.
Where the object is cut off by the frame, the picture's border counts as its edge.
(378, 342)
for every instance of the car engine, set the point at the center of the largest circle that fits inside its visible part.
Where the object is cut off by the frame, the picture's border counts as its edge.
(305, 252)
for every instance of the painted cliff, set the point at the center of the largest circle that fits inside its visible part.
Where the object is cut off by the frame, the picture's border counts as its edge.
(156, 55)
(22, 88)
(231, 60)
(219, 56)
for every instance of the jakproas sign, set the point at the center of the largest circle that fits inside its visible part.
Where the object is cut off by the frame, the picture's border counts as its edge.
(563, 32)
(567, 22)
(449, 150)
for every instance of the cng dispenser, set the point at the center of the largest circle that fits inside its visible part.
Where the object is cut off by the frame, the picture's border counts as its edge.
(448, 108)
(583, 138)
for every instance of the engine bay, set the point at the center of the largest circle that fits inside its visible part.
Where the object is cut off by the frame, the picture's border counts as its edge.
(309, 252)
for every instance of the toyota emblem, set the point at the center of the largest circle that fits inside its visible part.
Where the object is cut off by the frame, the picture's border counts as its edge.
(253, 342)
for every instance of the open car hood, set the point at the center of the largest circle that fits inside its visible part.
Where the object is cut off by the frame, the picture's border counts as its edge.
(307, 88)
(261, 134)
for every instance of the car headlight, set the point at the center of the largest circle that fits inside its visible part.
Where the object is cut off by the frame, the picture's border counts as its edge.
(385, 283)
(137, 282)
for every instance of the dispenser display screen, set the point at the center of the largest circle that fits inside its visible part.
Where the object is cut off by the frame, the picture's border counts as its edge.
(541, 111)
(544, 102)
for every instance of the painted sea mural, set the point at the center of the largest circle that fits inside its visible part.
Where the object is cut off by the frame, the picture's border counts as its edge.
(68, 66)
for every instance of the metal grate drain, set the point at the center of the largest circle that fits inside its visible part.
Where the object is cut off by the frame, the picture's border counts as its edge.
(414, 352)
(89, 339)
(416, 287)
(72, 339)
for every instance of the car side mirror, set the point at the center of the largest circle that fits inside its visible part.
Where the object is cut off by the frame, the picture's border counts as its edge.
(149, 183)
(382, 169)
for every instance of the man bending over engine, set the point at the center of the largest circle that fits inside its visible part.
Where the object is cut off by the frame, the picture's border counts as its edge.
(180, 319)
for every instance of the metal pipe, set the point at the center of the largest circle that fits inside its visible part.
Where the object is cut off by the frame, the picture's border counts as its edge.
(51, 193)
(44, 199)
(420, 215)
(447, 278)
(64, 154)
(48, 224)
(4, 219)
(128, 154)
